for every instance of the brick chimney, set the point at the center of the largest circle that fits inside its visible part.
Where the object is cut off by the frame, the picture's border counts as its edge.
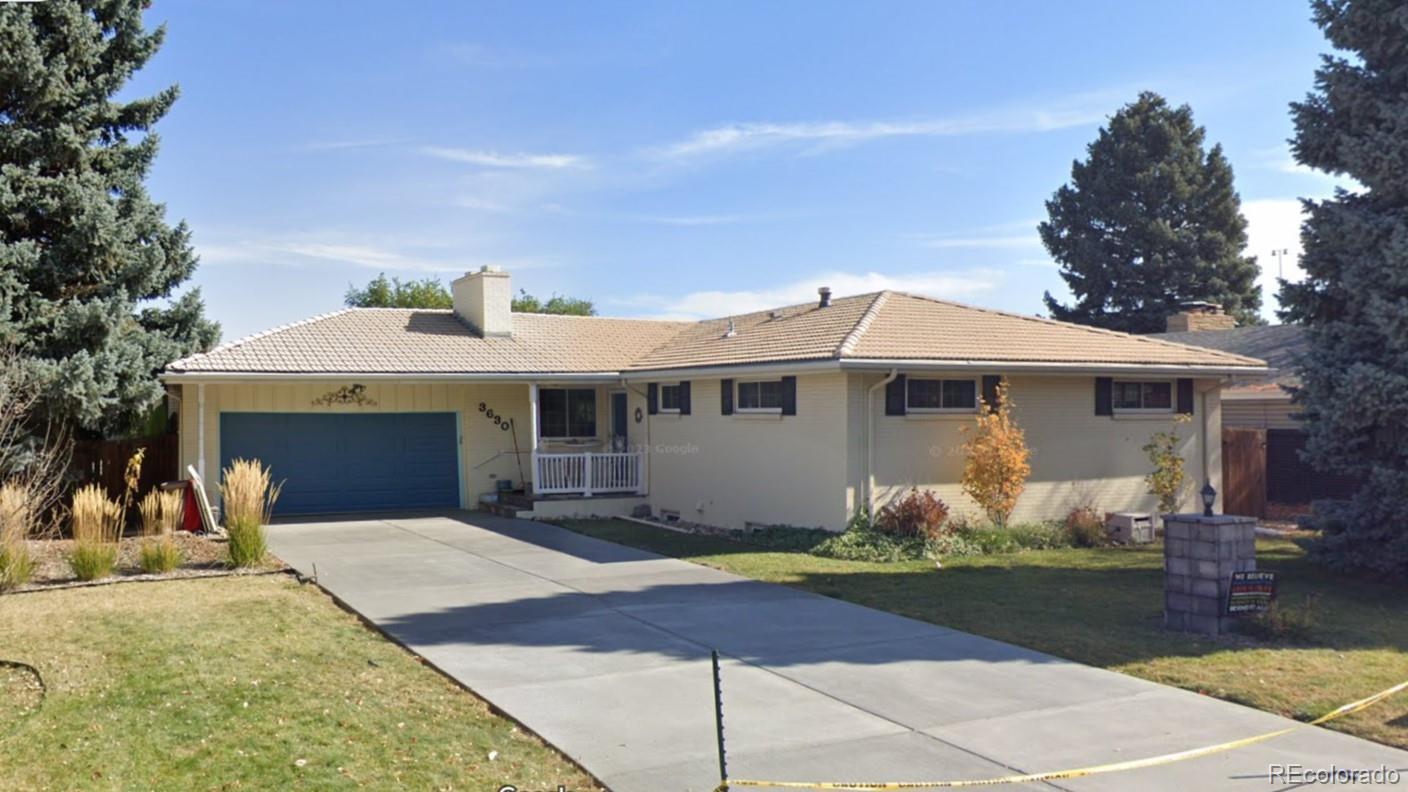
(484, 300)
(1197, 316)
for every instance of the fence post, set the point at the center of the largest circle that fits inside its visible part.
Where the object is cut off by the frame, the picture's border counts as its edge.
(719, 722)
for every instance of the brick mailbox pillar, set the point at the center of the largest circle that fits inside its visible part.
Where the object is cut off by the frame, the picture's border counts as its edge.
(1200, 555)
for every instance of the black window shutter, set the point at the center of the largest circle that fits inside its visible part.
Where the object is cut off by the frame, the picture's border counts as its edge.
(726, 397)
(894, 396)
(684, 397)
(1104, 396)
(990, 383)
(1185, 396)
(652, 398)
(789, 395)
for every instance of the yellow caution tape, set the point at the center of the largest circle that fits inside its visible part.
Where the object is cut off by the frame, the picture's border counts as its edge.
(1133, 764)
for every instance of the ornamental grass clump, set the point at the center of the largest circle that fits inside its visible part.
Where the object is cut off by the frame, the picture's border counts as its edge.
(247, 494)
(19, 512)
(161, 514)
(97, 527)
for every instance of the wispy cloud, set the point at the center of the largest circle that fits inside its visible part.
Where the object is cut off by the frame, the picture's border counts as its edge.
(711, 304)
(1002, 236)
(495, 159)
(733, 138)
(334, 248)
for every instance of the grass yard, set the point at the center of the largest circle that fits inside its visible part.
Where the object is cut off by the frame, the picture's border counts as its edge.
(1104, 607)
(239, 683)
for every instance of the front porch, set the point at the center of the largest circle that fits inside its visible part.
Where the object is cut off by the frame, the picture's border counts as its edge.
(580, 442)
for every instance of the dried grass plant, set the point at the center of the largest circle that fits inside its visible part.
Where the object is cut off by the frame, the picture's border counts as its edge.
(97, 527)
(161, 515)
(247, 495)
(19, 518)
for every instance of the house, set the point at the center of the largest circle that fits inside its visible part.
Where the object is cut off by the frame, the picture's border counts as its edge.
(1262, 401)
(795, 416)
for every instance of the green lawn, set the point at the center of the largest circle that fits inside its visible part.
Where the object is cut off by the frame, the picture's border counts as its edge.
(239, 683)
(1104, 607)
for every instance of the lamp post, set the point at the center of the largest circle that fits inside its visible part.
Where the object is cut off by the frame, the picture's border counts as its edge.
(1209, 495)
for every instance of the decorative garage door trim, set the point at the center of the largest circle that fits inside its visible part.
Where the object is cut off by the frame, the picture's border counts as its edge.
(350, 462)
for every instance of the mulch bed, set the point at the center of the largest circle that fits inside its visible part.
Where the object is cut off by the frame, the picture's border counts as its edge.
(202, 556)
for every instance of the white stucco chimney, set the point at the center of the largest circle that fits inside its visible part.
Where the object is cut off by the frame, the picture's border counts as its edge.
(484, 299)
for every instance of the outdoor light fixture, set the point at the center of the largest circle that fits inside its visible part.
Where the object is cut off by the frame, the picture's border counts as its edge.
(1209, 495)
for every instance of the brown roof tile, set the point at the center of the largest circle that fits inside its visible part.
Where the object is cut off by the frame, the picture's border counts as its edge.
(878, 326)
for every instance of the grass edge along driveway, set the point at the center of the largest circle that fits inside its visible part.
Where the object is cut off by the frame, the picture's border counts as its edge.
(1104, 607)
(241, 683)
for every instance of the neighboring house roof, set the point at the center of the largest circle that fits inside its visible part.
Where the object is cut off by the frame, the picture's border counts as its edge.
(1281, 346)
(882, 326)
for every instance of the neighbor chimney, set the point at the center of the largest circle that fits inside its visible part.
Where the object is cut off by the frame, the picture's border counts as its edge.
(484, 299)
(825, 292)
(1197, 316)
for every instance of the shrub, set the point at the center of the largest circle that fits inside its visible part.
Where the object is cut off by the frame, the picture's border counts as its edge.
(1085, 527)
(868, 544)
(161, 513)
(1167, 480)
(247, 495)
(919, 514)
(97, 526)
(18, 517)
(1286, 623)
(997, 459)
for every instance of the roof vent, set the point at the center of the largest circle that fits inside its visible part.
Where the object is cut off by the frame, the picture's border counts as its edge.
(730, 332)
(825, 292)
(774, 314)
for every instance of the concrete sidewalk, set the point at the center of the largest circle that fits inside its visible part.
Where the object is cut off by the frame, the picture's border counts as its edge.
(604, 651)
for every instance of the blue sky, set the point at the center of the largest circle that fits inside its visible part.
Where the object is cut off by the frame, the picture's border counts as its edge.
(685, 159)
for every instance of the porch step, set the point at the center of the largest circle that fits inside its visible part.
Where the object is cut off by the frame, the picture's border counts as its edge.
(503, 509)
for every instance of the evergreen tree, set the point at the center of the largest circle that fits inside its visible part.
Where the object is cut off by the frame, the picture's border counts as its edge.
(1147, 221)
(87, 260)
(1354, 299)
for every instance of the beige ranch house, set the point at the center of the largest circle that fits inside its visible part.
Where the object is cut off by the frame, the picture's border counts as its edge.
(796, 416)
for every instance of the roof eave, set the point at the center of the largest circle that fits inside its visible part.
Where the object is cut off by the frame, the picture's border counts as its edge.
(216, 377)
(1040, 367)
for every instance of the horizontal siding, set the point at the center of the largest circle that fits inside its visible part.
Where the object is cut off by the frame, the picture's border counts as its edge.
(1077, 457)
(1260, 414)
(730, 471)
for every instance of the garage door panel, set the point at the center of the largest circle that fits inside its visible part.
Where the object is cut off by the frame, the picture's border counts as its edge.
(350, 462)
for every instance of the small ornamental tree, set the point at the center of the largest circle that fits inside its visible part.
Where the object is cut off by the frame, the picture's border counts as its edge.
(1167, 480)
(997, 462)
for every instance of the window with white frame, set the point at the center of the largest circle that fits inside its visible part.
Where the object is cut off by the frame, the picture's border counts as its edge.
(760, 396)
(940, 395)
(566, 413)
(670, 398)
(1143, 396)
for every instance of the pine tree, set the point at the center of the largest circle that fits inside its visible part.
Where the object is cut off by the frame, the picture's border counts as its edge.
(1147, 221)
(1354, 299)
(88, 264)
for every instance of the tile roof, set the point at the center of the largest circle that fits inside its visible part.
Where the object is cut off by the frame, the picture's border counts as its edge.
(878, 326)
(1281, 346)
(416, 341)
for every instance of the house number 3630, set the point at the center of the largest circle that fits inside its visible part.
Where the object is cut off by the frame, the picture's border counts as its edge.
(499, 421)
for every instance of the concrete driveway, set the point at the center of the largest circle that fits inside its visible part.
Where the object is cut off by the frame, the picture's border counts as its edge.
(604, 651)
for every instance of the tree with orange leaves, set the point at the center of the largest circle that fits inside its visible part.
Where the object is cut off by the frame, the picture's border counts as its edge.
(996, 466)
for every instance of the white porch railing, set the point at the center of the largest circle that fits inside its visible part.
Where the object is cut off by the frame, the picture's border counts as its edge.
(588, 473)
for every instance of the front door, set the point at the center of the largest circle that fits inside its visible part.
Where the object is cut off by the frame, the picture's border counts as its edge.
(618, 421)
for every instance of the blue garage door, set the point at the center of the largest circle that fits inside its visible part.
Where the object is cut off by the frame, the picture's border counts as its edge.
(348, 463)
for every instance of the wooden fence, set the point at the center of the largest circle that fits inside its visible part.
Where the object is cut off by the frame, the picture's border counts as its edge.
(104, 462)
(1244, 472)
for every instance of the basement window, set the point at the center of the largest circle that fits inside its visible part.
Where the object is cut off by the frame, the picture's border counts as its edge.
(1143, 396)
(940, 395)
